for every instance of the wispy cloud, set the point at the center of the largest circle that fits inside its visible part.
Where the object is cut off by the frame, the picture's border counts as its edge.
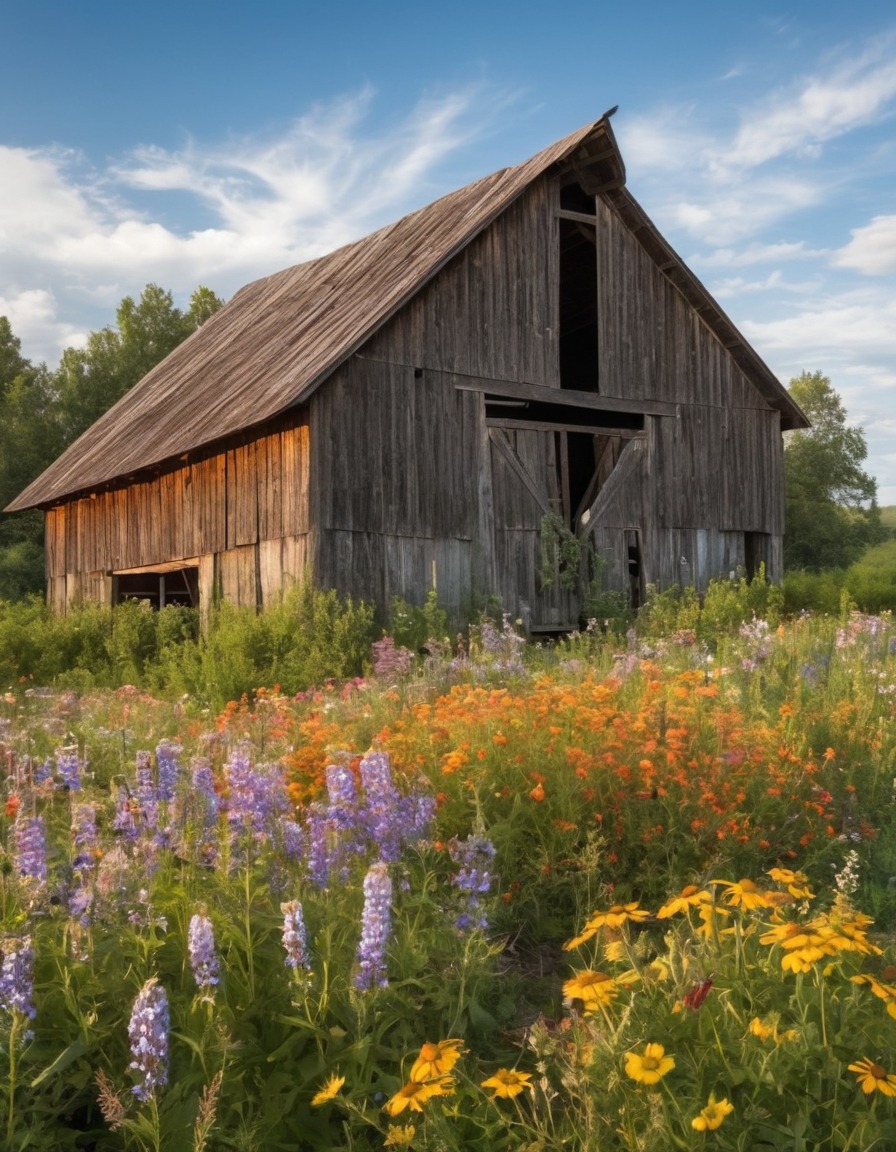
(872, 249)
(70, 234)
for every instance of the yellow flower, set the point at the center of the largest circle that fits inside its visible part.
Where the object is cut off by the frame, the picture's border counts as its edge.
(770, 1031)
(436, 1059)
(650, 1067)
(874, 1077)
(415, 1093)
(687, 898)
(614, 950)
(398, 1137)
(594, 989)
(329, 1090)
(744, 894)
(613, 917)
(796, 883)
(712, 1115)
(713, 917)
(885, 992)
(507, 1083)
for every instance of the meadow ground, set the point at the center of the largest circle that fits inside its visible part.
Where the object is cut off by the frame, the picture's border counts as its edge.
(625, 893)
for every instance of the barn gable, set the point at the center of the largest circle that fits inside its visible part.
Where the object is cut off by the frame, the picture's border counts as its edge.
(420, 407)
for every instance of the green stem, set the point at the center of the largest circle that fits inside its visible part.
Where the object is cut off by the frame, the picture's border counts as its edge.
(247, 920)
(13, 1061)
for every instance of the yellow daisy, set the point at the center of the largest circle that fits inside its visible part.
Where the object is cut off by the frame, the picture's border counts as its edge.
(594, 989)
(415, 1093)
(712, 1115)
(874, 1077)
(613, 917)
(649, 1067)
(507, 1083)
(688, 897)
(329, 1090)
(796, 883)
(744, 894)
(436, 1059)
(885, 992)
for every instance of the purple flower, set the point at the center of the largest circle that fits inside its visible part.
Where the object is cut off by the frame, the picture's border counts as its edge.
(375, 924)
(167, 758)
(391, 660)
(146, 790)
(295, 937)
(84, 862)
(148, 1034)
(293, 838)
(17, 978)
(127, 817)
(318, 848)
(69, 768)
(382, 811)
(31, 848)
(257, 800)
(474, 879)
(203, 958)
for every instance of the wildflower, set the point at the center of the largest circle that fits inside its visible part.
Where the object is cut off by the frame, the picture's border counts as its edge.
(712, 1115)
(613, 917)
(507, 1083)
(167, 758)
(399, 1136)
(382, 811)
(436, 1059)
(770, 1031)
(415, 1093)
(295, 937)
(874, 1077)
(885, 992)
(148, 1034)
(111, 1106)
(796, 883)
(329, 1090)
(689, 897)
(744, 894)
(69, 768)
(695, 996)
(31, 848)
(651, 1066)
(594, 989)
(203, 958)
(375, 923)
(474, 879)
(17, 978)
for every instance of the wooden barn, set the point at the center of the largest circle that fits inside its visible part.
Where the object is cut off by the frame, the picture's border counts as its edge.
(511, 392)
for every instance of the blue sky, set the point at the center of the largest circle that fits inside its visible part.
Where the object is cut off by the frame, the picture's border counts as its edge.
(200, 143)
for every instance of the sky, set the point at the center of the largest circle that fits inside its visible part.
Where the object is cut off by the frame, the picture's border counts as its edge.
(206, 143)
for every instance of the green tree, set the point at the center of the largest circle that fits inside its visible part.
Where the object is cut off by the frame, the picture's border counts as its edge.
(93, 378)
(832, 513)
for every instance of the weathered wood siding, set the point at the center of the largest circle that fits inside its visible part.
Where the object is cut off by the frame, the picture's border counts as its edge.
(240, 515)
(492, 312)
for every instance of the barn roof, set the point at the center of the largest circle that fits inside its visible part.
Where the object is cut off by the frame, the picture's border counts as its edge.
(279, 337)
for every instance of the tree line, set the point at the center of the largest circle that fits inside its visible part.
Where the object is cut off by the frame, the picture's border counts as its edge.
(43, 411)
(832, 515)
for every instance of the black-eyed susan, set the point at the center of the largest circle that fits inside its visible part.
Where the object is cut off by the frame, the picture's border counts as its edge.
(398, 1136)
(594, 989)
(649, 1066)
(689, 897)
(415, 1093)
(711, 1117)
(796, 883)
(436, 1059)
(873, 1077)
(507, 1083)
(744, 894)
(329, 1090)
(612, 918)
(885, 992)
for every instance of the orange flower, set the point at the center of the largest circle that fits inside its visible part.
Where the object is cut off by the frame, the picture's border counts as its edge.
(537, 794)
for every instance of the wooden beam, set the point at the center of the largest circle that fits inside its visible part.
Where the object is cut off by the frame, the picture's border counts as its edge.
(572, 399)
(500, 441)
(578, 217)
(553, 426)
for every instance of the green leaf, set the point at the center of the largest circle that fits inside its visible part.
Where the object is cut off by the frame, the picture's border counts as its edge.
(76, 1049)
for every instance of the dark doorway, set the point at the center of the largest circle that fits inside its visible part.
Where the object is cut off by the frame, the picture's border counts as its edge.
(177, 586)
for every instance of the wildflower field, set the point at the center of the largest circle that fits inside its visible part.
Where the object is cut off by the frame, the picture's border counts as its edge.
(624, 893)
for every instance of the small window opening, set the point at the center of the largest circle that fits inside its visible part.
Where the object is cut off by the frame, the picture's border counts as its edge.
(578, 307)
(574, 198)
(159, 589)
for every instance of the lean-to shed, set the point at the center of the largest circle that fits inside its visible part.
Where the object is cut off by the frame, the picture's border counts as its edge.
(451, 402)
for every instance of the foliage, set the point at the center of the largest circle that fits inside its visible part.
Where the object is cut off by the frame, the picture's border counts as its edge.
(415, 627)
(725, 605)
(832, 514)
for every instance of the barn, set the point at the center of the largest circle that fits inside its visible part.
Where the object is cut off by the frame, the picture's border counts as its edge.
(519, 391)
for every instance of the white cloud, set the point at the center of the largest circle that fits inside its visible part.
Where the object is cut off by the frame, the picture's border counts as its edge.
(72, 237)
(872, 249)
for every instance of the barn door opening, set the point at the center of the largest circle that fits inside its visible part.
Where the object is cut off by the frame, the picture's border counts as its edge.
(578, 306)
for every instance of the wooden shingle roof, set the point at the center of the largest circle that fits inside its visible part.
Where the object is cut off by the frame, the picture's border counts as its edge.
(279, 337)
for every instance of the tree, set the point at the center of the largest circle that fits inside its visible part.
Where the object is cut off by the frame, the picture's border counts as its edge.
(91, 379)
(832, 514)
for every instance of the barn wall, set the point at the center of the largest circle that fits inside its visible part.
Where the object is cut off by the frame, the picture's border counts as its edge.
(395, 481)
(492, 312)
(240, 515)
